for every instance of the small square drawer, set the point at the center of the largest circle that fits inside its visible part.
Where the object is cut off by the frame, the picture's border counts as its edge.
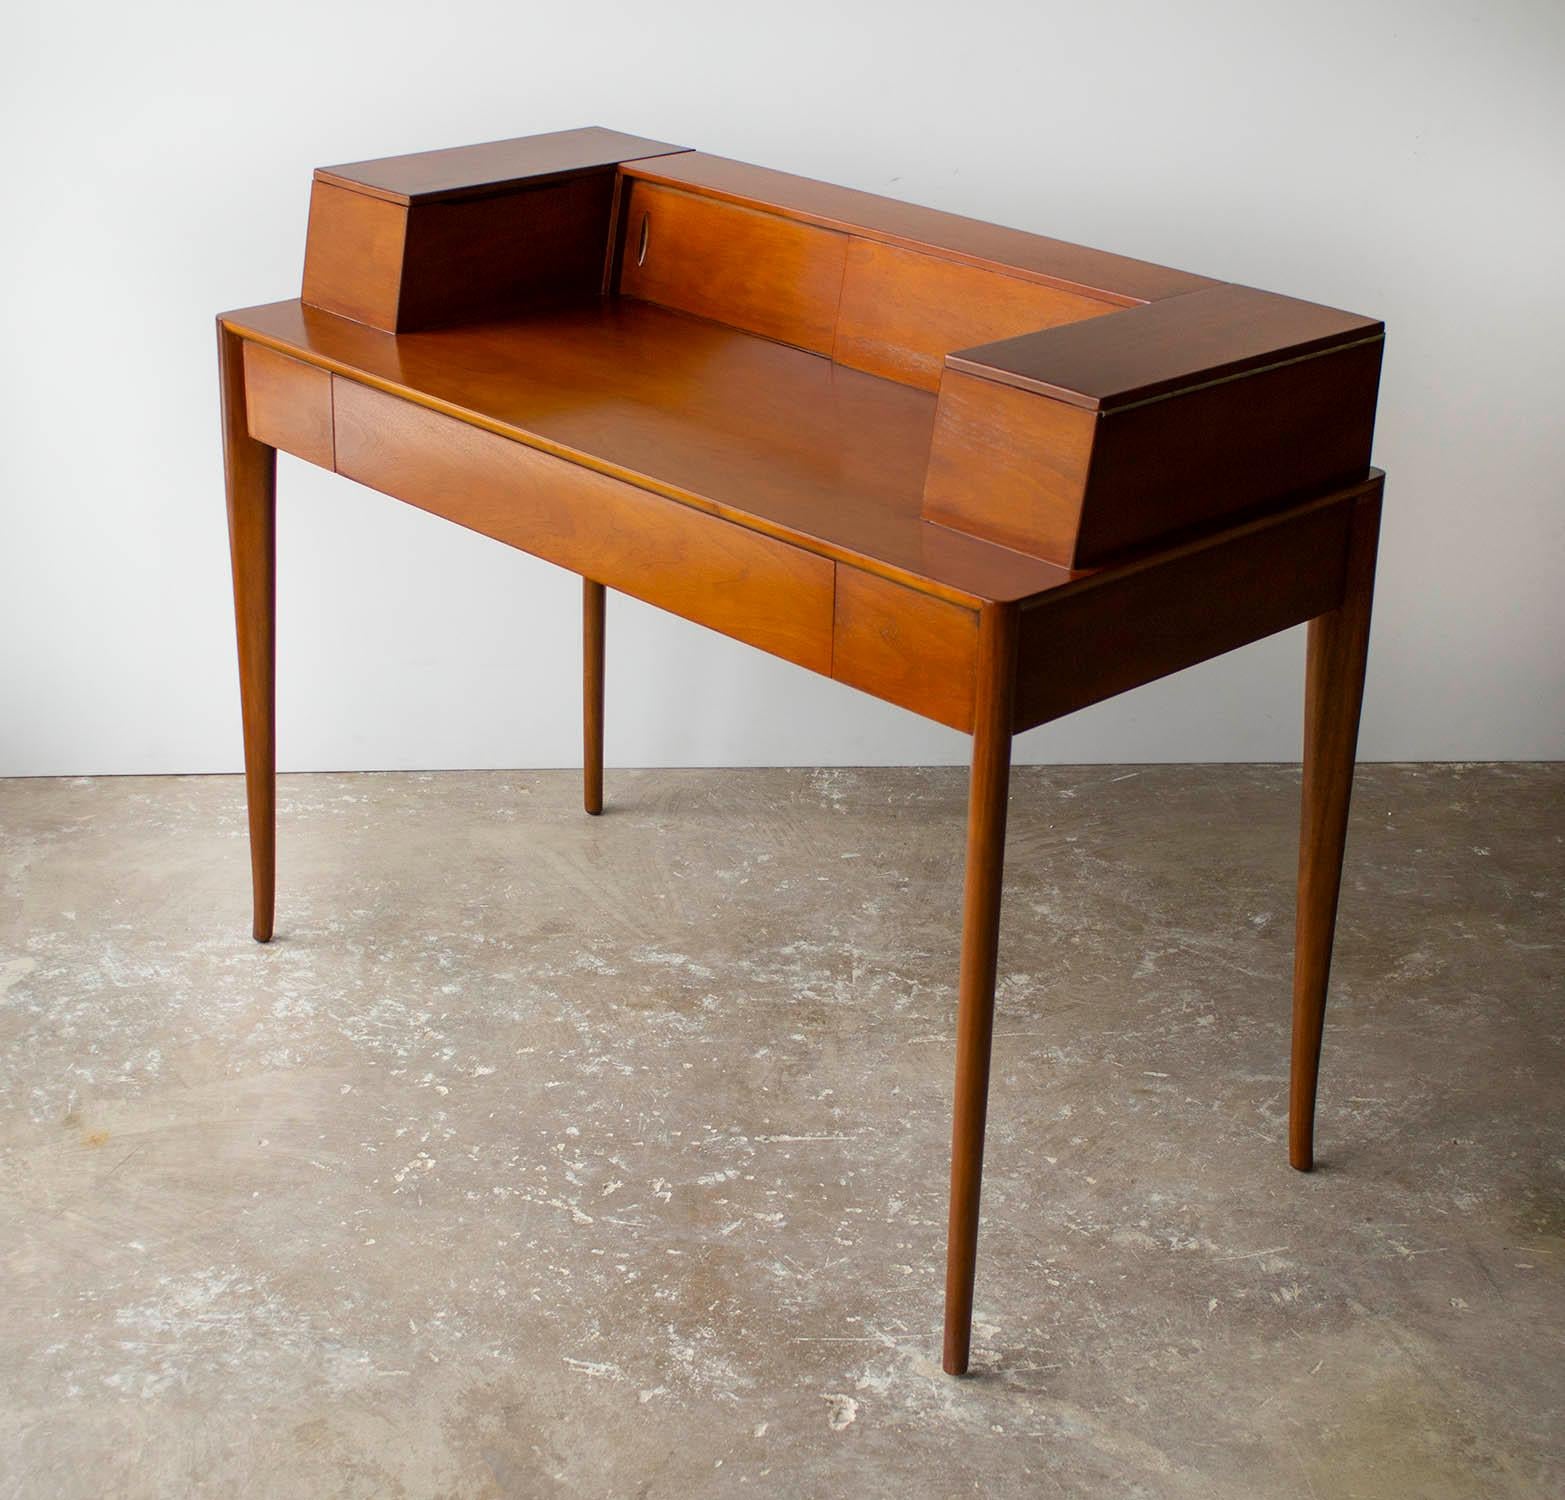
(288, 404)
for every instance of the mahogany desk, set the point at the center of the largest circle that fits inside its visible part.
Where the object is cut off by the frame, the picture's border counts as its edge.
(987, 476)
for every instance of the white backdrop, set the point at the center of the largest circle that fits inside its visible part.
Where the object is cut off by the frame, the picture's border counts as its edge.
(1402, 160)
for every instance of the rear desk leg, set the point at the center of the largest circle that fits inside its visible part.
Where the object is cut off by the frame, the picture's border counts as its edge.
(592, 626)
(250, 471)
(1333, 695)
(987, 794)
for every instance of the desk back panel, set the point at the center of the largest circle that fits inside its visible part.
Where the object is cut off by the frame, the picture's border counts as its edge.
(1116, 279)
(881, 308)
(737, 266)
(903, 311)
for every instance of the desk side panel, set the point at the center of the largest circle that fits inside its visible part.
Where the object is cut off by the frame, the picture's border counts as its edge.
(1009, 466)
(353, 255)
(733, 580)
(1128, 626)
(1262, 438)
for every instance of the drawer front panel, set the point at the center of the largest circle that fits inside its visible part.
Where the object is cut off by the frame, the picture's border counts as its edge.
(733, 580)
(288, 404)
(908, 648)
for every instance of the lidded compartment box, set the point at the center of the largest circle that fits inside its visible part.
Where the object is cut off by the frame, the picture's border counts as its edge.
(445, 237)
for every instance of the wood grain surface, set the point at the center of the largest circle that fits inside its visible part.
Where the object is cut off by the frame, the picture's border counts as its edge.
(901, 311)
(1119, 628)
(706, 569)
(288, 404)
(1096, 273)
(353, 255)
(905, 647)
(753, 271)
(1212, 334)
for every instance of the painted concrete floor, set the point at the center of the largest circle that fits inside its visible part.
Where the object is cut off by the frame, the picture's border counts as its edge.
(543, 1155)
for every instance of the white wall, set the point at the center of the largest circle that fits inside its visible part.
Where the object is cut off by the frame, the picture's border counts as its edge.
(1403, 160)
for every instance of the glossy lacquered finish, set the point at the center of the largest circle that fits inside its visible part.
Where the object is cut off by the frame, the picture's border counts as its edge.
(981, 474)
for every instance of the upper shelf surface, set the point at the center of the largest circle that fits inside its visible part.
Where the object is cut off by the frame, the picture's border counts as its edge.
(753, 430)
(1199, 338)
(462, 171)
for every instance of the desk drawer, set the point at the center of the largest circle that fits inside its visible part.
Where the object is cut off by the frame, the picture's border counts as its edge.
(731, 579)
(906, 647)
(288, 404)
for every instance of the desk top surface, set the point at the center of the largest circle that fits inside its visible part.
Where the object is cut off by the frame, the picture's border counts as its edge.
(767, 435)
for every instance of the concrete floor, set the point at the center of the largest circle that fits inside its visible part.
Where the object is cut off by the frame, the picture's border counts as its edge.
(543, 1155)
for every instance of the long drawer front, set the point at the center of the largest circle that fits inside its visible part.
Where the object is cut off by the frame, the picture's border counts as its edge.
(724, 576)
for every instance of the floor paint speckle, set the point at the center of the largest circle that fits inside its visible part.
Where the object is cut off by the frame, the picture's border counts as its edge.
(546, 1155)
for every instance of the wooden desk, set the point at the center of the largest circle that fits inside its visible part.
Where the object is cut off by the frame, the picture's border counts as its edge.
(981, 474)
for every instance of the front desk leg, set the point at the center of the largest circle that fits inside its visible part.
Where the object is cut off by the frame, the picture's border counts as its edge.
(986, 805)
(250, 473)
(1333, 695)
(592, 625)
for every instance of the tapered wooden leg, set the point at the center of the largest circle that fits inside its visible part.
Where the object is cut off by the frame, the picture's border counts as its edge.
(592, 622)
(1333, 695)
(250, 470)
(986, 804)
